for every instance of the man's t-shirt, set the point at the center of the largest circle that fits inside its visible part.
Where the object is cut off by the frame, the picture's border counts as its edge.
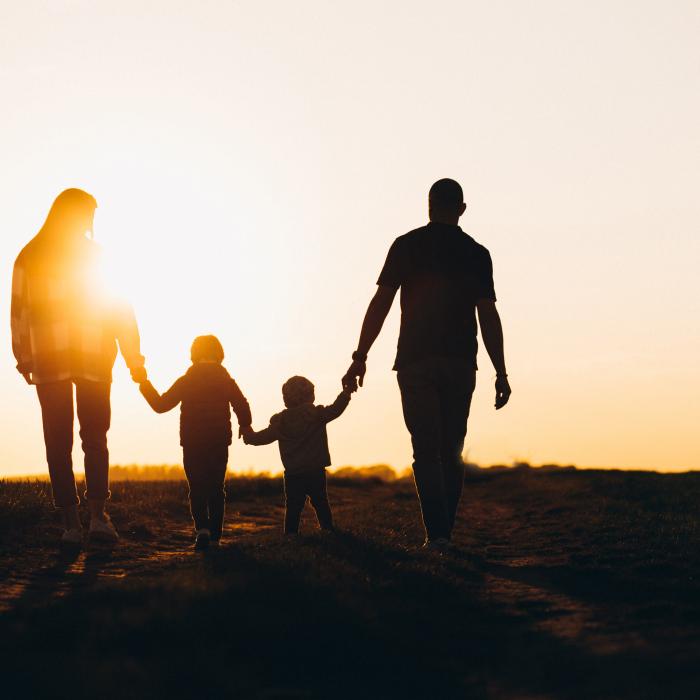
(442, 273)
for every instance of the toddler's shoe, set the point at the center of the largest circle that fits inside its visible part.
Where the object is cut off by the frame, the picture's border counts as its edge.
(102, 530)
(202, 539)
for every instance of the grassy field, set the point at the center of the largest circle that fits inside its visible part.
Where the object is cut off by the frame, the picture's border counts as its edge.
(569, 584)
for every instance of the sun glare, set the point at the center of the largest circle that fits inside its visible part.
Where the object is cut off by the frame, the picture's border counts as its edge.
(183, 260)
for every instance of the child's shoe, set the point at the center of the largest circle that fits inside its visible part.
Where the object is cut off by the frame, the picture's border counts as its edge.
(202, 539)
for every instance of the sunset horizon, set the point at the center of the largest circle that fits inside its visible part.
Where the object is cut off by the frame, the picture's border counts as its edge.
(351, 350)
(250, 181)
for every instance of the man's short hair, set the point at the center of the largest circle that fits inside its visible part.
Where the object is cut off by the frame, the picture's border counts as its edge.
(446, 193)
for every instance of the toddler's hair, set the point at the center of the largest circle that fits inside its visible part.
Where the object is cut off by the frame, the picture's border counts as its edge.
(207, 347)
(296, 391)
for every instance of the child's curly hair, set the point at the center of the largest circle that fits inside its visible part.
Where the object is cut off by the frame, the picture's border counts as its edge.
(207, 347)
(296, 391)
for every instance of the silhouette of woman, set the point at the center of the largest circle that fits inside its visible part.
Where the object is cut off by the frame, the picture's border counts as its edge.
(65, 329)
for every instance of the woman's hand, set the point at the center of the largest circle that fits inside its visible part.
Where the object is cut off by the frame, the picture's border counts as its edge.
(139, 374)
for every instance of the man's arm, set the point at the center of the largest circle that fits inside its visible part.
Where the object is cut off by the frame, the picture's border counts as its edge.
(492, 334)
(375, 316)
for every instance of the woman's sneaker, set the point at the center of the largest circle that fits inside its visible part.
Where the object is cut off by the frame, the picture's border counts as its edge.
(102, 530)
(72, 537)
(201, 541)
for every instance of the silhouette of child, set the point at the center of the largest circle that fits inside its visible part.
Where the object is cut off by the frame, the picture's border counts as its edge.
(206, 393)
(300, 431)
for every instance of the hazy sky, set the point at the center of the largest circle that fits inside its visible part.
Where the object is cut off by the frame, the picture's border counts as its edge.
(253, 161)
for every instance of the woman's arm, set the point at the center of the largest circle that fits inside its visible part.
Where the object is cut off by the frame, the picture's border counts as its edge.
(19, 318)
(240, 406)
(127, 334)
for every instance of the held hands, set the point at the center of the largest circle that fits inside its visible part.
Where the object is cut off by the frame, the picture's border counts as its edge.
(139, 374)
(502, 391)
(245, 431)
(354, 376)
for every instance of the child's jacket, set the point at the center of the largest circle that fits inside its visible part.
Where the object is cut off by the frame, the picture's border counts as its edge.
(207, 392)
(301, 434)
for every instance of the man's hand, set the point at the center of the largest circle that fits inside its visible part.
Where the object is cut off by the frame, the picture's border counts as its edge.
(354, 376)
(139, 374)
(374, 320)
(492, 333)
(245, 431)
(502, 392)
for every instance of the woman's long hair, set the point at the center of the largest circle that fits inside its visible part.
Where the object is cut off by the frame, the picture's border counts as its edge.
(68, 214)
(56, 249)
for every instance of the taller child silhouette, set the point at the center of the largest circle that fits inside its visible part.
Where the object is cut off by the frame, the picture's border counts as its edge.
(444, 276)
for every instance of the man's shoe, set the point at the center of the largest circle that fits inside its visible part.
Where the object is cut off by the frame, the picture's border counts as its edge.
(72, 537)
(103, 530)
(439, 545)
(202, 539)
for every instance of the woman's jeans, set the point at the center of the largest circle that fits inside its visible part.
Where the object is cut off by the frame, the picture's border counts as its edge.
(436, 395)
(94, 414)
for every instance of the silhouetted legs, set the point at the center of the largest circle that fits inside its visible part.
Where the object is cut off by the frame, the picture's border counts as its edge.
(294, 500)
(318, 495)
(94, 416)
(435, 396)
(296, 488)
(454, 405)
(92, 398)
(56, 399)
(205, 467)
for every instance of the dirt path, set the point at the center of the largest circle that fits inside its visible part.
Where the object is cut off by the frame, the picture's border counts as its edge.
(580, 585)
(45, 573)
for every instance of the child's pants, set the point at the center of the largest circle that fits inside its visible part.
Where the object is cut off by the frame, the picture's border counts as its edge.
(296, 488)
(205, 468)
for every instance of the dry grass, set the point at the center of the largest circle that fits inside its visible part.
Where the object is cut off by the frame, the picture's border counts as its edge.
(563, 584)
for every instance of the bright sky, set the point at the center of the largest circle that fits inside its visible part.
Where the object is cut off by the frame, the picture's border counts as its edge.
(253, 161)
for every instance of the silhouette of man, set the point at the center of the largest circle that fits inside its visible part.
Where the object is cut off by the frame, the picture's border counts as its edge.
(444, 276)
(65, 328)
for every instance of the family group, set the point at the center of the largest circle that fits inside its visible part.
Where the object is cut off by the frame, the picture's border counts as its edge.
(65, 335)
